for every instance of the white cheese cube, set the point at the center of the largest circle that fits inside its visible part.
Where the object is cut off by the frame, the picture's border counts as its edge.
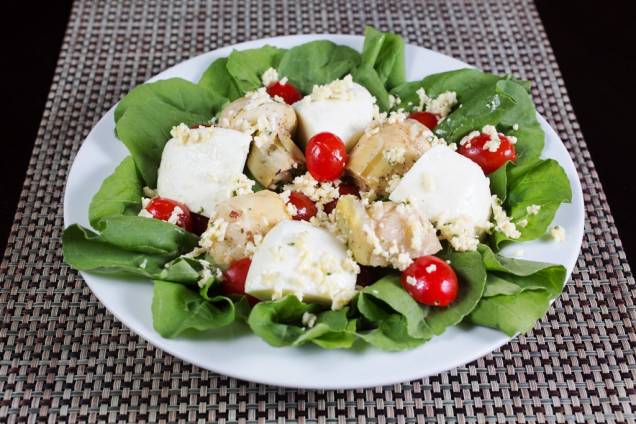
(346, 116)
(202, 167)
(298, 258)
(447, 187)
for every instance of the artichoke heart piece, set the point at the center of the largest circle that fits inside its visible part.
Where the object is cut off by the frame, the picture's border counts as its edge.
(239, 223)
(274, 158)
(385, 233)
(385, 152)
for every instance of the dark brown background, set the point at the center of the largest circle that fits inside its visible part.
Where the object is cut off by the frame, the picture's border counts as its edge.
(594, 43)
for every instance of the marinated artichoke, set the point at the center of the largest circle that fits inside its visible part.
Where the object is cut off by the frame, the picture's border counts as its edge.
(385, 233)
(385, 153)
(273, 157)
(239, 224)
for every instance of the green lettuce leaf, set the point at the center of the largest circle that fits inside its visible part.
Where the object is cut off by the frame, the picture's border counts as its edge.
(395, 321)
(382, 64)
(472, 280)
(317, 62)
(545, 184)
(518, 292)
(279, 323)
(247, 66)
(127, 245)
(119, 194)
(176, 308)
(217, 79)
(146, 115)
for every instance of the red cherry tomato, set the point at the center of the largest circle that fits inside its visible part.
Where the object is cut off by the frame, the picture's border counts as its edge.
(428, 119)
(286, 91)
(305, 208)
(235, 276)
(343, 189)
(487, 160)
(430, 281)
(161, 208)
(326, 156)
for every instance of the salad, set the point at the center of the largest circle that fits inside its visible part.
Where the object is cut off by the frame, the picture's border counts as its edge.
(318, 197)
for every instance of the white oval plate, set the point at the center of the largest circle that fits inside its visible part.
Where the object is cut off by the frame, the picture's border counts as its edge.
(236, 352)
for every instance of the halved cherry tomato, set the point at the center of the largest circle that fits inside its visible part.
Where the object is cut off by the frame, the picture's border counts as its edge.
(343, 189)
(326, 156)
(487, 160)
(162, 208)
(234, 279)
(286, 91)
(430, 281)
(305, 207)
(427, 119)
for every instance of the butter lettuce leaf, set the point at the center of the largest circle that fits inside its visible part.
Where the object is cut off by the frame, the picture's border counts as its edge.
(144, 118)
(127, 245)
(280, 323)
(247, 66)
(119, 194)
(217, 79)
(177, 308)
(317, 62)
(382, 64)
(518, 292)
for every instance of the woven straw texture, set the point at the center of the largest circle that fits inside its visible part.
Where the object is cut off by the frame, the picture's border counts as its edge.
(64, 358)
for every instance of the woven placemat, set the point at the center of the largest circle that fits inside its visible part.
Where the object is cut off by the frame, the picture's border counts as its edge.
(65, 358)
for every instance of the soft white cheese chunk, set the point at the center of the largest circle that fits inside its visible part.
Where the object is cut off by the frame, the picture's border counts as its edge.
(448, 187)
(347, 115)
(202, 167)
(298, 258)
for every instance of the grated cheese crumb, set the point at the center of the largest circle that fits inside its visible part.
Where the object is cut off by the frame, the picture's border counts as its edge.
(270, 76)
(410, 280)
(503, 223)
(557, 233)
(431, 268)
(309, 319)
(533, 209)
(340, 89)
(394, 155)
(175, 215)
(493, 143)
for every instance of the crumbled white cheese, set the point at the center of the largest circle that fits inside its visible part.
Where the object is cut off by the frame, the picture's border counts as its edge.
(214, 233)
(175, 215)
(441, 105)
(533, 209)
(522, 223)
(464, 141)
(340, 89)
(515, 127)
(493, 143)
(394, 101)
(460, 233)
(394, 155)
(185, 135)
(319, 192)
(242, 185)
(557, 233)
(431, 268)
(503, 222)
(269, 77)
(410, 280)
(309, 319)
(393, 182)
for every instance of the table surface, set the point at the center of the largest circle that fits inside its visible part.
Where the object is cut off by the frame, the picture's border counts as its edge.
(64, 356)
